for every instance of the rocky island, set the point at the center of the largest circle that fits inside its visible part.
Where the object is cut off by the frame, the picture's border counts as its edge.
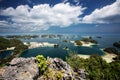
(87, 42)
(117, 44)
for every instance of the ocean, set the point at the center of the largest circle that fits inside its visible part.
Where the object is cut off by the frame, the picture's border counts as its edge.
(105, 41)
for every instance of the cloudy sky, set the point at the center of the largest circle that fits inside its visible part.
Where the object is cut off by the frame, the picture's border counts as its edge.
(62, 16)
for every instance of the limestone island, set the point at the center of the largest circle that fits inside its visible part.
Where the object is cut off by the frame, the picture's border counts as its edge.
(87, 42)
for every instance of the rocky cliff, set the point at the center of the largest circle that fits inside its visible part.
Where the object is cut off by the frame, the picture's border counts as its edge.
(27, 69)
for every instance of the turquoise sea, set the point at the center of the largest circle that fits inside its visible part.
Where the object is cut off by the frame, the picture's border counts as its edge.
(105, 41)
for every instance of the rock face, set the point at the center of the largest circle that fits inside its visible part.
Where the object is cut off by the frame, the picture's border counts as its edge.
(57, 64)
(21, 69)
(27, 69)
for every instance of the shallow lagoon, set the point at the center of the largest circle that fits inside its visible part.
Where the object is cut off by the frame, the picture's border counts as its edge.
(105, 41)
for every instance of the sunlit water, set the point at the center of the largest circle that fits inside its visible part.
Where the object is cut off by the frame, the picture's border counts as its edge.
(105, 41)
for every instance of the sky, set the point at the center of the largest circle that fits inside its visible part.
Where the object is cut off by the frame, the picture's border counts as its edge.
(60, 16)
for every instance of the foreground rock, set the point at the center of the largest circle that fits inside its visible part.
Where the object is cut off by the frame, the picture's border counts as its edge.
(60, 70)
(21, 69)
(27, 69)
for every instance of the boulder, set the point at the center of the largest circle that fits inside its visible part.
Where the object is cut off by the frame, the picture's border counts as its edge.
(27, 69)
(57, 65)
(21, 69)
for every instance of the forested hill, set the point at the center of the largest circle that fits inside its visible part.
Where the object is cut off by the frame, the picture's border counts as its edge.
(8, 43)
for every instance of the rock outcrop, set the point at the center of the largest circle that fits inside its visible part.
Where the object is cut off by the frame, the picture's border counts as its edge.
(21, 69)
(27, 69)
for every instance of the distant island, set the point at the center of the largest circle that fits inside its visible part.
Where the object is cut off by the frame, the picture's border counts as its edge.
(85, 42)
(22, 36)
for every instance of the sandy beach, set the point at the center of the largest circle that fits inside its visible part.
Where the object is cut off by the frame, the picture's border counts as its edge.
(43, 44)
(88, 44)
(83, 56)
(108, 57)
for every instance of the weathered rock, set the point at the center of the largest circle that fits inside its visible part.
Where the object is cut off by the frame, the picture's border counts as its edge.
(27, 69)
(21, 69)
(57, 64)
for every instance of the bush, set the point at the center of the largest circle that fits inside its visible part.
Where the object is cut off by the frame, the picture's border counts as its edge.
(42, 63)
(97, 68)
(51, 74)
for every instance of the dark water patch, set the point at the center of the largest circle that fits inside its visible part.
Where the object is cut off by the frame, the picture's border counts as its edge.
(4, 54)
(46, 51)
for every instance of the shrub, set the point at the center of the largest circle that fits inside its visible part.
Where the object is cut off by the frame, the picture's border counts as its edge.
(51, 74)
(42, 63)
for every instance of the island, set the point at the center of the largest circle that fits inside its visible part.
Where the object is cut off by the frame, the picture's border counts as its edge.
(15, 45)
(53, 36)
(87, 42)
(117, 44)
(22, 36)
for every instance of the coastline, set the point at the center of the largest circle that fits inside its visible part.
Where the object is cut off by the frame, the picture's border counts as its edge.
(108, 57)
(39, 44)
(88, 44)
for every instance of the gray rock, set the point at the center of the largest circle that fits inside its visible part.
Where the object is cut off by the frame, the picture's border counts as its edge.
(21, 69)
(57, 64)
(60, 65)
(27, 69)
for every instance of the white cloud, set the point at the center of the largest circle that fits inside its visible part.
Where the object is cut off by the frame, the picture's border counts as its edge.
(43, 16)
(107, 14)
(3, 23)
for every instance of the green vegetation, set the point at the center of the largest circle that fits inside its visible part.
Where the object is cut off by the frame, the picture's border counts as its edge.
(48, 73)
(6, 43)
(53, 74)
(111, 50)
(78, 42)
(89, 40)
(97, 68)
(117, 44)
(42, 63)
(66, 41)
